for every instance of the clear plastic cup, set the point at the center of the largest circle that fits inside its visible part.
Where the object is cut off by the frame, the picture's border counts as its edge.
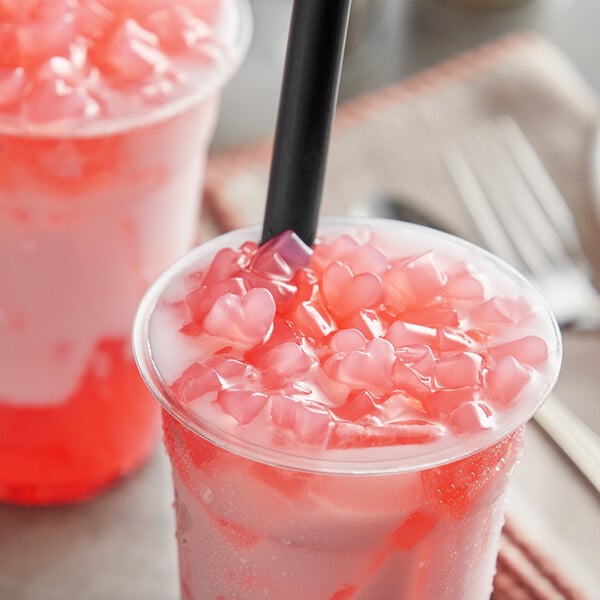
(262, 515)
(91, 210)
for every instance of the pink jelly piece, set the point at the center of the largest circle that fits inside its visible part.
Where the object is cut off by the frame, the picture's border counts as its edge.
(406, 378)
(366, 321)
(500, 311)
(245, 320)
(230, 370)
(371, 367)
(367, 259)
(420, 358)
(196, 381)
(442, 403)
(347, 340)
(243, 405)
(529, 350)
(281, 256)
(405, 334)
(283, 332)
(417, 280)
(338, 250)
(51, 34)
(95, 20)
(283, 292)
(178, 28)
(346, 293)
(438, 315)
(463, 284)
(285, 360)
(458, 370)
(56, 100)
(399, 407)
(131, 55)
(226, 264)
(358, 405)
(12, 84)
(309, 314)
(451, 340)
(309, 422)
(506, 379)
(312, 320)
(201, 300)
(471, 417)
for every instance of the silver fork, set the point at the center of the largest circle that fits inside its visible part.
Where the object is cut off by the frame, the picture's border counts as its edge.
(522, 217)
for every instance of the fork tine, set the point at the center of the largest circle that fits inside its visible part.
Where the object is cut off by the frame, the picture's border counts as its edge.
(509, 198)
(478, 206)
(540, 244)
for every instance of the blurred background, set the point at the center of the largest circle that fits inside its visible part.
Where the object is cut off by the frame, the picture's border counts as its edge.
(389, 40)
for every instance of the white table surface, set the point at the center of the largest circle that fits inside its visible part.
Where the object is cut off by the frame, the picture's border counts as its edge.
(121, 546)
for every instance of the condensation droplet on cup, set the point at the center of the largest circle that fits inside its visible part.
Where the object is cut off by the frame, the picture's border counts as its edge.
(206, 494)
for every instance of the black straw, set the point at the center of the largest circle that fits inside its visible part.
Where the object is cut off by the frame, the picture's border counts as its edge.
(306, 110)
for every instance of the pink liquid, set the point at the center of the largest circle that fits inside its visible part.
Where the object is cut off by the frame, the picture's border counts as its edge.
(343, 423)
(106, 112)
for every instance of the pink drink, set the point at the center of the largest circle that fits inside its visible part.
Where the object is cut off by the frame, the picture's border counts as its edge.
(343, 423)
(107, 108)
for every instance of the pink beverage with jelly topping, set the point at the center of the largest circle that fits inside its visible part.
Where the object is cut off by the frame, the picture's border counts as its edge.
(343, 421)
(107, 108)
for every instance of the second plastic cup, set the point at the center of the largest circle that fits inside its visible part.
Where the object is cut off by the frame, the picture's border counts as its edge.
(358, 454)
(102, 169)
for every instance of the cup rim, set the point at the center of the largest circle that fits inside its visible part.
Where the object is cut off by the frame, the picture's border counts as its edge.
(14, 126)
(347, 461)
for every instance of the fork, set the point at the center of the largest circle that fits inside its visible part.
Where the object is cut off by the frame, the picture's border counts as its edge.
(522, 218)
